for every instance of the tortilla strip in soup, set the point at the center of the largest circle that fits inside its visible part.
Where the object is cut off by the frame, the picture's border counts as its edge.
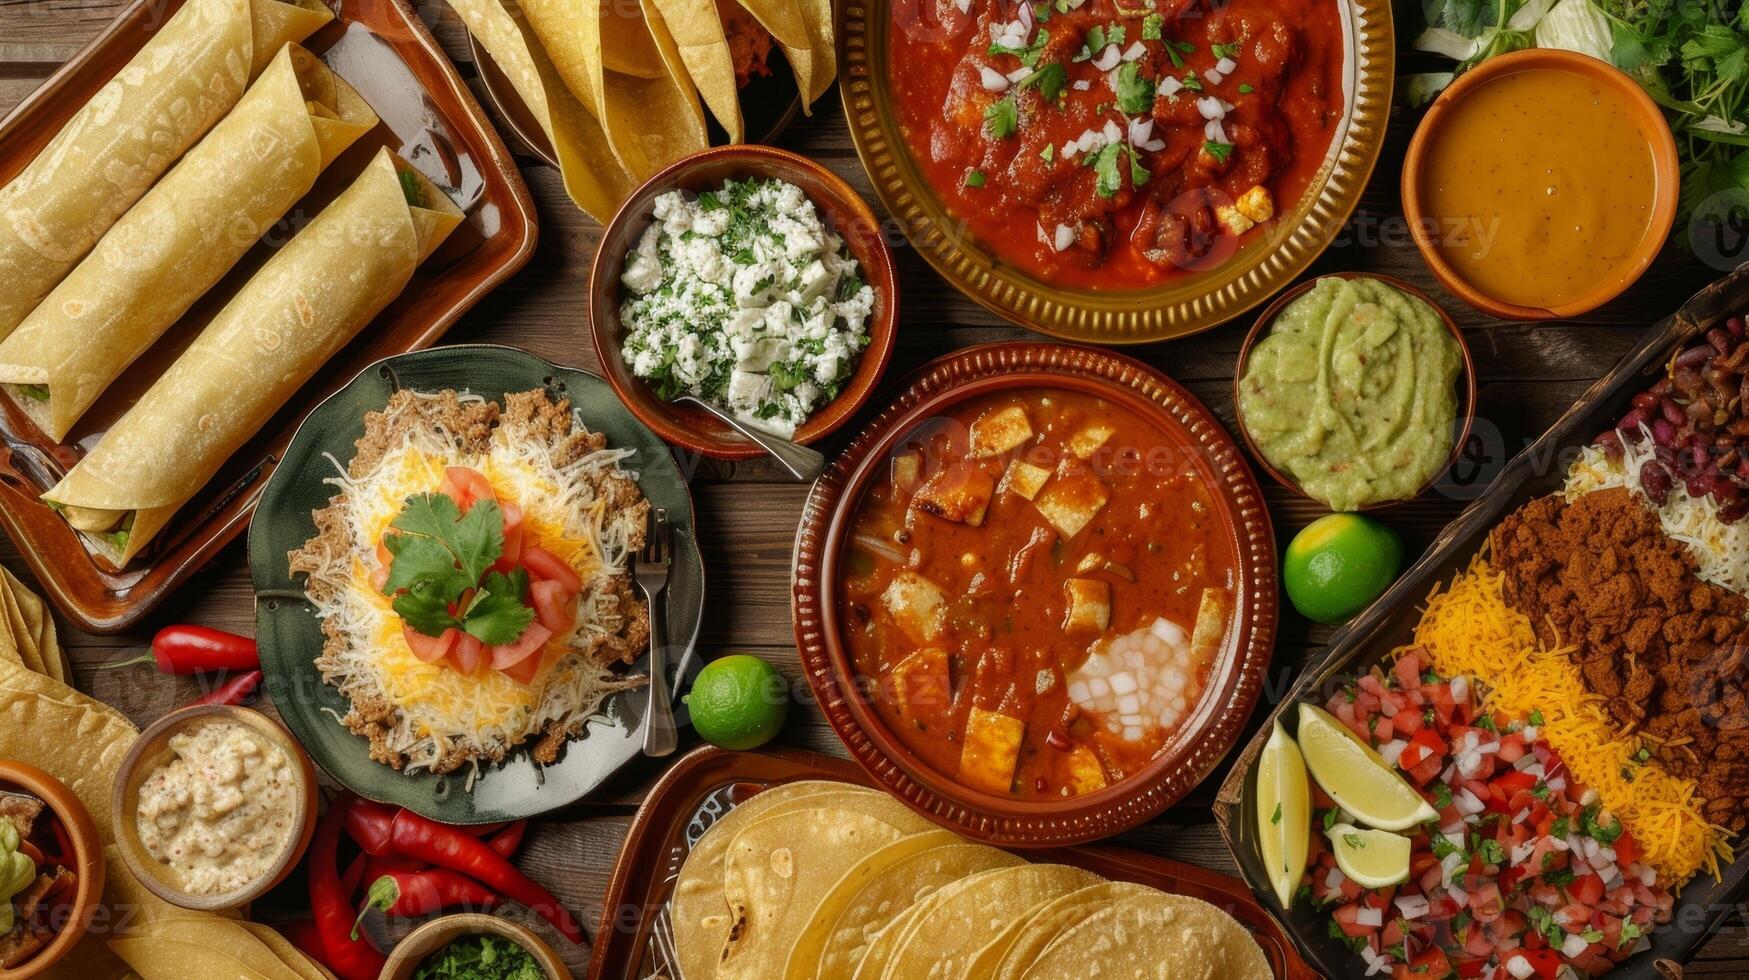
(1038, 588)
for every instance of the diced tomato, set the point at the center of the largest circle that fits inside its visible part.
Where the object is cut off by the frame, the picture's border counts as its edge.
(542, 563)
(1627, 850)
(384, 556)
(1586, 889)
(512, 553)
(467, 654)
(524, 670)
(1512, 781)
(1345, 917)
(379, 577)
(429, 649)
(555, 606)
(466, 486)
(532, 640)
(1423, 745)
(1485, 902)
(1471, 966)
(1407, 673)
(1512, 747)
(1439, 695)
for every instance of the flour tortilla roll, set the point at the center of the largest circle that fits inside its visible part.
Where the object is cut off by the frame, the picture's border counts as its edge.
(312, 297)
(181, 238)
(593, 177)
(649, 122)
(192, 71)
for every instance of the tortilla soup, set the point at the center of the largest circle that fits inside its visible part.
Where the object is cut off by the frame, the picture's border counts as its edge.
(1037, 592)
(1097, 145)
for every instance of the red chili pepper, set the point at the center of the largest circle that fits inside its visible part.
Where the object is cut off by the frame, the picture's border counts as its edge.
(234, 691)
(197, 650)
(389, 864)
(348, 958)
(446, 847)
(370, 824)
(410, 893)
(506, 841)
(307, 938)
(486, 829)
(353, 876)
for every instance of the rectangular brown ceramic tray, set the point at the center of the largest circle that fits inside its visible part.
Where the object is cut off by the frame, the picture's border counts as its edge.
(707, 783)
(1702, 905)
(428, 116)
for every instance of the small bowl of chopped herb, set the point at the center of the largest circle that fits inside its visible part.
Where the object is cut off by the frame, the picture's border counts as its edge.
(754, 279)
(473, 946)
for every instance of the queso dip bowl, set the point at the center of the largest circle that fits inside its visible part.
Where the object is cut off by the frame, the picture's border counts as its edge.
(1467, 135)
(152, 750)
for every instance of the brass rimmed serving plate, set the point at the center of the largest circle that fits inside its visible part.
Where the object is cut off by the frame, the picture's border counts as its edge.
(1182, 306)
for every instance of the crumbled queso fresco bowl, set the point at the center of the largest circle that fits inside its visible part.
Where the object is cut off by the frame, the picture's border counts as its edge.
(743, 296)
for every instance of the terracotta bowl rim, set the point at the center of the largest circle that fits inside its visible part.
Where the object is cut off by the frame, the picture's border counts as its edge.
(132, 773)
(1466, 385)
(423, 941)
(866, 240)
(1234, 685)
(1650, 122)
(87, 855)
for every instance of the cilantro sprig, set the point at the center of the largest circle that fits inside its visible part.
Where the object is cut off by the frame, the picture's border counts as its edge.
(439, 556)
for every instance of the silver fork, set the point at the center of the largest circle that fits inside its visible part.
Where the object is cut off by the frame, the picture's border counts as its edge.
(651, 572)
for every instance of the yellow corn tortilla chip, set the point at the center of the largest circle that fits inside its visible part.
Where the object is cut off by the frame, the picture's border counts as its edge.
(627, 47)
(41, 624)
(593, 177)
(817, 14)
(650, 122)
(672, 62)
(21, 634)
(289, 954)
(697, 32)
(783, 18)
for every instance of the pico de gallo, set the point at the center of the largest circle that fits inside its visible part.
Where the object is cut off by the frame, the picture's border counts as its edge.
(1522, 874)
(472, 589)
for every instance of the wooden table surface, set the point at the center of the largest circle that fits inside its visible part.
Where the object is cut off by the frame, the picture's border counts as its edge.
(747, 512)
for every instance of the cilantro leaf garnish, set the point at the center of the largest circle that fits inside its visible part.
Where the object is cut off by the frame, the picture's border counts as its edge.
(439, 555)
(474, 540)
(1002, 117)
(1151, 25)
(497, 613)
(1135, 91)
(1220, 151)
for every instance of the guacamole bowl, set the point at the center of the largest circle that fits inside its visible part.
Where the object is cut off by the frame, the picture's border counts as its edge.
(1464, 386)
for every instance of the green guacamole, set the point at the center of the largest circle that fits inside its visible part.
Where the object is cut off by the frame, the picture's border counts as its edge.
(1351, 393)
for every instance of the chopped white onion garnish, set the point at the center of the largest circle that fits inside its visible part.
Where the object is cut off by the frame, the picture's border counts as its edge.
(1154, 145)
(1530, 733)
(1065, 237)
(1111, 132)
(1393, 750)
(1141, 128)
(1226, 66)
(1026, 16)
(1460, 689)
(1519, 967)
(994, 81)
(1070, 149)
(1210, 107)
(1134, 51)
(1213, 77)
(1647, 876)
(1019, 73)
(1090, 141)
(1107, 58)
(1574, 945)
(1522, 852)
(1376, 962)
(1521, 815)
(1457, 895)
(1368, 916)
(1466, 802)
(1449, 865)
(1170, 85)
(964, 6)
(1214, 132)
(1334, 878)
(1081, 84)
(1413, 906)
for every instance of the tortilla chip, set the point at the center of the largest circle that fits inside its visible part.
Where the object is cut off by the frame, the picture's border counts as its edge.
(650, 122)
(698, 37)
(671, 61)
(158, 956)
(288, 954)
(817, 14)
(593, 177)
(20, 633)
(39, 624)
(627, 46)
(784, 19)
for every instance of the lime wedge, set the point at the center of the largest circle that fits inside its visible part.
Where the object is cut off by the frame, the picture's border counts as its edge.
(1372, 858)
(1284, 813)
(1355, 777)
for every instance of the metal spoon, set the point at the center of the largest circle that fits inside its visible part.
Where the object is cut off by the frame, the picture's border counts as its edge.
(803, 463)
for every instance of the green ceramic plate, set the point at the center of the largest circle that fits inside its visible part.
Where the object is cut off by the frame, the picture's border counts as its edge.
(290, 635)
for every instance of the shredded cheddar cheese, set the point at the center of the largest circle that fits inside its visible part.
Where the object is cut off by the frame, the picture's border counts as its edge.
(1469, 629)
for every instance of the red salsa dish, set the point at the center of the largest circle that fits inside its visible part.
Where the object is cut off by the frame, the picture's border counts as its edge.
(1097, 144)
(1034, 594)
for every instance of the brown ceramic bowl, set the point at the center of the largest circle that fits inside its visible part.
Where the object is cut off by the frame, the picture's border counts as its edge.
(87, 860)
(1235, 680)
(405, 958)
(1648, 117)
(152, 750)
(1466, 382)
(689, 426)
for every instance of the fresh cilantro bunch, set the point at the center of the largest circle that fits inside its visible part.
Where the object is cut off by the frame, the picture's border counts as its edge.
(480, 957)
(439, 554)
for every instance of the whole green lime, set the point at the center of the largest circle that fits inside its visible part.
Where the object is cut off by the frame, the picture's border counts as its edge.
(738, 702)
(1338, 565)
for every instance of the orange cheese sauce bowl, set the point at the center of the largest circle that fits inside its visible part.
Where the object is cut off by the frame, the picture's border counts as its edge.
(1540, 184)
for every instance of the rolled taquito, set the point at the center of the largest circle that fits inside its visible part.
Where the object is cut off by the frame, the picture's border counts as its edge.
(192, 72)
(312, 297)
(181, 238)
